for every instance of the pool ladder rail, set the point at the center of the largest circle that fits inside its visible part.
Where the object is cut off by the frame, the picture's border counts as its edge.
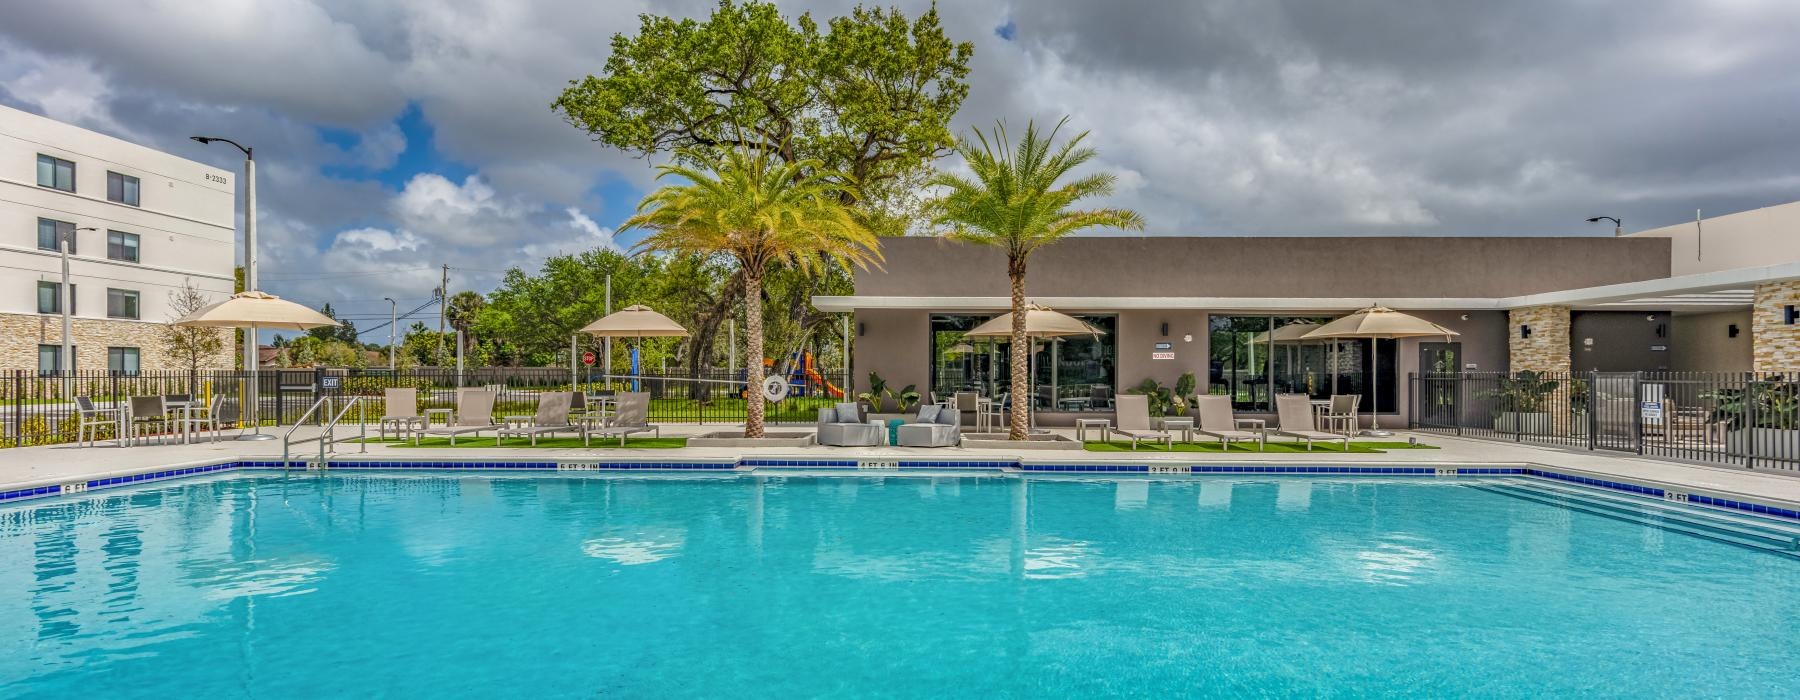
(1750, 531)
(327, 437)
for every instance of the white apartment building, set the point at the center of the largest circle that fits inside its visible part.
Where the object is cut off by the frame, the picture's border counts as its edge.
(145, 223)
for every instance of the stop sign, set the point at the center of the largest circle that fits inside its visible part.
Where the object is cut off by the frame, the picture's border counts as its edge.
(587, 358)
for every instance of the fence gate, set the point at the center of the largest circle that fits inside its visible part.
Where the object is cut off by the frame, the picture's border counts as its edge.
(1617, 403)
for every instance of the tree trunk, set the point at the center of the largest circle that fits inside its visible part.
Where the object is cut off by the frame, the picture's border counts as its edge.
(1020, 417)
(753, 354)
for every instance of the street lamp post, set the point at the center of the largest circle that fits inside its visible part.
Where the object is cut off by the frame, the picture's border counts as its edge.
(250, 283)
(66, 301)
(1618, 226)
(393, 318)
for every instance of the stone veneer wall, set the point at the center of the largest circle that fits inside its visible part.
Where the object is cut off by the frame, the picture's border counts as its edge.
(21, 334)
(1547, 350)
(1775, 344)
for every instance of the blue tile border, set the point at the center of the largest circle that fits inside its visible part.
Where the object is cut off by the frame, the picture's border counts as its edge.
(906, 464)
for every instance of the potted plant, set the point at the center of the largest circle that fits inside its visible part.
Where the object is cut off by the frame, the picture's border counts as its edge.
(1163, 401)
(1763, 418)
(1522, 403)
(881, 401)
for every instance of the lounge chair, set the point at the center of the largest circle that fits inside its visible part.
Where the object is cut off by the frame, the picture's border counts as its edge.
(1213, 418)
(1342, 412)
(1133, 418)
(552, 417)
(401, 411)
(1294, 418)
(631, 416)
(842, 426)
(474, 413)
(937, 427)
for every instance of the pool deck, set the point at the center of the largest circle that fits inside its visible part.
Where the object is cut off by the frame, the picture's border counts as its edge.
(37, 467)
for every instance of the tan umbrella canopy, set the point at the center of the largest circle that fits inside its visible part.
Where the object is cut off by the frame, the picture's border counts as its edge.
(635, 321)
(256, 310)
(1040, 322)
(1287, 334)
(1383, 323)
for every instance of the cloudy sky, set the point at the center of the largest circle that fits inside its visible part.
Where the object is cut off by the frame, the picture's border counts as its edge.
(395, 136)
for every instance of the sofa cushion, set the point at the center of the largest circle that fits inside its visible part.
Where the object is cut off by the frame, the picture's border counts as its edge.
(929, 414)
(849, 413)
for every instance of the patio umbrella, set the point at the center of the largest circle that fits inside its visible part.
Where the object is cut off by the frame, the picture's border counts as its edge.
(635, 321)
(1040, 322)
(1378, 322)
(255, 310)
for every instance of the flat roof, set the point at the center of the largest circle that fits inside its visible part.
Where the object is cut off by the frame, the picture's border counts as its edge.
(1707, 291)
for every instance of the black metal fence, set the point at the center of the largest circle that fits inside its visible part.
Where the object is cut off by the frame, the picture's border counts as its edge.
(1738, 418)
(41, 410)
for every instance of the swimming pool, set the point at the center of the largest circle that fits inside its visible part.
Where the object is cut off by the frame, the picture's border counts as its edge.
(439, 584)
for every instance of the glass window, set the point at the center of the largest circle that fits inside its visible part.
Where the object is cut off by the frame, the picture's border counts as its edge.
(122, 360)
(1072, 374)
(50, 358)
(121, 303)
(55, 173)
(1256, 357)
(122, 246)
(49, 229)
(121, 188)
(50, 301)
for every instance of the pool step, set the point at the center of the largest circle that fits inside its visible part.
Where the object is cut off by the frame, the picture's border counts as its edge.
(1678, 508)
(1728, 529)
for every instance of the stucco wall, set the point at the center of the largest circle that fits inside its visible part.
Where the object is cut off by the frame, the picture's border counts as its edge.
(1623, 341)
(1703, 342)
(1743, 239)
(1167, 266)
(1140, 331)
(894, 343)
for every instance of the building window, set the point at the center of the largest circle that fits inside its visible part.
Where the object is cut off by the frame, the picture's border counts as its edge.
(50, 359)
(50, 298)
(1072, 374)
(122, 360)
(1256, 357)
(122, 246)
(121, 188)
(56, 173)
(50, 229)
(121, 303)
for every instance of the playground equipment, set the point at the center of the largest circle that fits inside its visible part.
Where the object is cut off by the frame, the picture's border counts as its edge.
(804, 379)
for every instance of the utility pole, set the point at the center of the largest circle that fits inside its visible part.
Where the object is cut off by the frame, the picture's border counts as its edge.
(393, 320)
(443, 295)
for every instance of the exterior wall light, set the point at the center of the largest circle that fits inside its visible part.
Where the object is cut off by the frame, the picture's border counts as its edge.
(1524, 331)
(1731, 331)
(1165, 329)
(1790, 315)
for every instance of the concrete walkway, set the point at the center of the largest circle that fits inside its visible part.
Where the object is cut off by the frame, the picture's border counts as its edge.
(39, 466)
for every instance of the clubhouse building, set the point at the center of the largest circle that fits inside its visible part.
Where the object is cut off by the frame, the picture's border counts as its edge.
(1230, 310)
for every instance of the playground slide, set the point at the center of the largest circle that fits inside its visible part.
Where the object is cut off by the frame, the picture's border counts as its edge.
(831, 390)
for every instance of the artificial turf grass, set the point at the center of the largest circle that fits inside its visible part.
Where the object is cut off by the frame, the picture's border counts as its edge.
(1245, 447)
(657, 443)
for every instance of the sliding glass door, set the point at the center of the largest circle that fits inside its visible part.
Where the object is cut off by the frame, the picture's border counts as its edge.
(1256, 357)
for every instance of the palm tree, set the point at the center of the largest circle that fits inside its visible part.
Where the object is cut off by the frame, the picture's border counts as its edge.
(760, 211)
(1013, 201)
(464, 306)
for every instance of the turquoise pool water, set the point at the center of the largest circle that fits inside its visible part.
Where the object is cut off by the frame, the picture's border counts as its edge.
(791, 586)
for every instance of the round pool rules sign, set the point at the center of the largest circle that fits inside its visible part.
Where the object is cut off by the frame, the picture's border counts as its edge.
(587, 358)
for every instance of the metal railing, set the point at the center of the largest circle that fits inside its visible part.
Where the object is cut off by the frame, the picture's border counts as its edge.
(1745, 419)
(42, 410)
(327, 433)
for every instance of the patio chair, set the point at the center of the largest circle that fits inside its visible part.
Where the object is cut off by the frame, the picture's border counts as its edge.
(145, 411)
(93, 418)
(1213, 418)
(474, 413)
(970, 402)
(1342, 412)
(937, 427)
(401, 411)
(631, 415)
(552, 417)
(193, 417)
(1294, 418)
(1133, 418)
(843, 426)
